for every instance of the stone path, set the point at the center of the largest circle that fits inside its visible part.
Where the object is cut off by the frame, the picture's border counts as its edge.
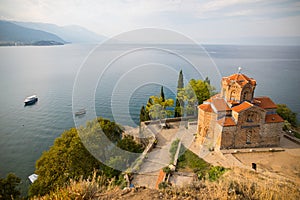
(159, 157)
(147, 180)
(181, 179)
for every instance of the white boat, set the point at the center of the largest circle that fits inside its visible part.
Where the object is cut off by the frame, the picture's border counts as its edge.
(80, 112)
(33, 177)
(31, 100)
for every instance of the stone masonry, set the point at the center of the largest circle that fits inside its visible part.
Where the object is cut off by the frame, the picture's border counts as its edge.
(236, 119)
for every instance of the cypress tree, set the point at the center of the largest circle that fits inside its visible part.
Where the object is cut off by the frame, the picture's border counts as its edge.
(180, 80)
(142, 114)
(162, 94)
(179, 103)
(207, 81)
(147, 108)
(178, 112)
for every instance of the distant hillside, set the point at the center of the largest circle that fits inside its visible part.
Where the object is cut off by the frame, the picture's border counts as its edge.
(72, 34)
(11, 34)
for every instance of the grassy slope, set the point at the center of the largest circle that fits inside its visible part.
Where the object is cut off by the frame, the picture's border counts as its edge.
(190, 162)
(234, 184)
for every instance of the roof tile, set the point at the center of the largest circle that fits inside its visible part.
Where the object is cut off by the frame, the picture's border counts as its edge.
(264, 102)
(273, 118)
(206, 107)
(241, 79)
(243, 106)
(220, 104)
(226, 121)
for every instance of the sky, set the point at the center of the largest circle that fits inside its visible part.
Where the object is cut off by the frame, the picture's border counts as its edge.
(210, 21)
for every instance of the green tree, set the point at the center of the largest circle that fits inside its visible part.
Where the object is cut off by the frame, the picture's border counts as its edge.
(9, 187)
(148, 106)
(66, 159)
(143, 114)
(193, 94)
(180, 80)
(207, 80)
(162, 94)
(69, 159)
(188, 95)
(126, 159)
(211, 89)
(178, 109)
(128, 144)
(287, 114)
(200, 89)
(286, 126)
(179, 103)
(158, 108)
(149, 103)
(110, 129)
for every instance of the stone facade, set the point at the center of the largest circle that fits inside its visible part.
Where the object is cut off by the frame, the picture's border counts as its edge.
(236, 119)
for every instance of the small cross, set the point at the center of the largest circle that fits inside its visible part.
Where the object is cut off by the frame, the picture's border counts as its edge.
(239, 70)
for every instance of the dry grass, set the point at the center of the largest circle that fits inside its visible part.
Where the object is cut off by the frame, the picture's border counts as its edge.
(82, 189)
(234, 184)
(240, 184)
(250, 185)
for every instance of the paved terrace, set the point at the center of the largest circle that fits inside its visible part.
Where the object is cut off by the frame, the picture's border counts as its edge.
(159, 157)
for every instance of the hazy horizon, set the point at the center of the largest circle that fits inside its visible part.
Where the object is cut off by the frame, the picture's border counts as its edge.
(207, 22)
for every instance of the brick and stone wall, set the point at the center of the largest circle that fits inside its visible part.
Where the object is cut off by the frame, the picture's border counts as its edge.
(248, 128)
(228, 137)
(271, 134)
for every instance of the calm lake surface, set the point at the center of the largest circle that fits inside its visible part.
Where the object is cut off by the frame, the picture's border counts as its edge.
(50, 72)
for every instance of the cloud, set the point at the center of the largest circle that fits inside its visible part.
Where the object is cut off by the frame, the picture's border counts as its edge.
(130, 10)
(219, 9)
(221, 4)
(113, 17)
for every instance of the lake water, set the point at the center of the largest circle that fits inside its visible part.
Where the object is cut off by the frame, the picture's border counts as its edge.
(120, 90)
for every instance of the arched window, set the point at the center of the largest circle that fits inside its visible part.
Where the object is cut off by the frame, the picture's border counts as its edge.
(248, 136)
(233, 95)
(250, 117)
(245, 95)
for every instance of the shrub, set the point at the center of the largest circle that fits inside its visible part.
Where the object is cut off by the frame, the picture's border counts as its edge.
(167, 170)
(287, 114)
(215, 172)
(68, 159)
(163, 185)
(173, 149)
(9, 187)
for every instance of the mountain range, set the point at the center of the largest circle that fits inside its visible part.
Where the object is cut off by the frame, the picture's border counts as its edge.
(31, 33)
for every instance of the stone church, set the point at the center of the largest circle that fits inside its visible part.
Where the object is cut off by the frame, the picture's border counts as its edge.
(236, 119)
